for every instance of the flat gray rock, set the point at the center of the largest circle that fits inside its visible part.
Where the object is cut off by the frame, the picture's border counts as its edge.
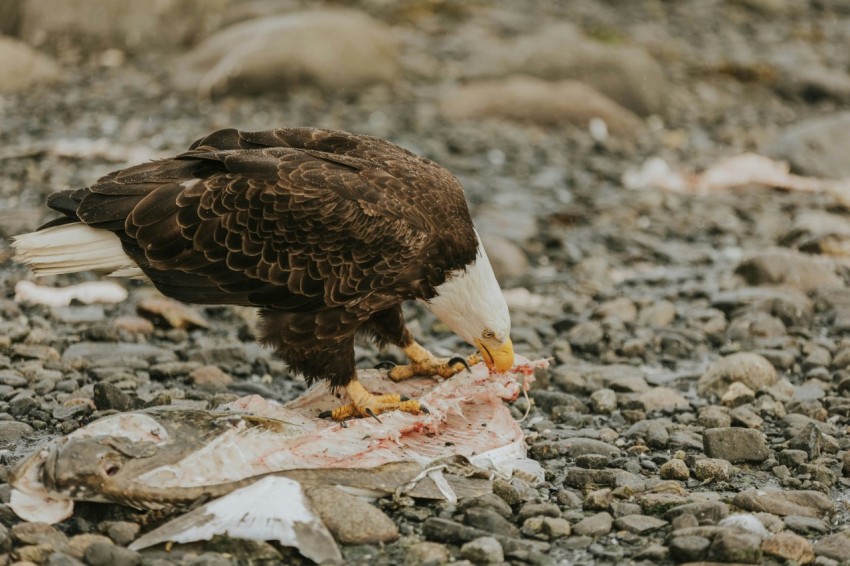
(735, 444)
(335, 49)
(816, 146)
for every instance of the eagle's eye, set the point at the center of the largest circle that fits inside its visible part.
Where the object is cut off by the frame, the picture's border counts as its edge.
(488, 335)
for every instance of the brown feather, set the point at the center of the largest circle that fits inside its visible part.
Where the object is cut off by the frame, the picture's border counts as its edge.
(323, 230)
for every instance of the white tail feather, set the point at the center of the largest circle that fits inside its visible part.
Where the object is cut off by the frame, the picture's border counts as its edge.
(70, 248)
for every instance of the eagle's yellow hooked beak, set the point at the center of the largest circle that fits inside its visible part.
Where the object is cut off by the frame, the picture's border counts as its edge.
(498, 357)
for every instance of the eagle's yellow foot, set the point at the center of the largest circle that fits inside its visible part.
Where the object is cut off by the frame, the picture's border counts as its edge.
(365, 404)
(423, 362)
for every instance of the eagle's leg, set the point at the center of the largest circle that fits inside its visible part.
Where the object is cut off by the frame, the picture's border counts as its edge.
(423, 362)
(365, 404)
(387, 327)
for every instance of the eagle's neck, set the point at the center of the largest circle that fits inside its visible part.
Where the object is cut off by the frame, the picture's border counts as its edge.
(470, 300)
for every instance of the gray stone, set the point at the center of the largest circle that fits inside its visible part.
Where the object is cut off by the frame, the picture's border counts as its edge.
(116, 351)
(507, 258)
(813, 146)
(714, 416)
(836, 546)
(752, 370)
(791, 306)
(626, 73)
(334, 506)
(639, 524)
(484, 550)
(674, 469)
(603, 401)
(596, 525)
(789, 546)
(104, 554)
(94, 26)
(39, 533)
(11, 433)
(659, 314)
(806, 525)
(689, 548)
(572, 448)
(732, 546)
(538, 509)
(800, 502)
(488, 501)
(335, 49)
(61, 559)
(427, 554)
(790, 268)
(22, 67)
(735, 444)
(663, 399)
(489, 520)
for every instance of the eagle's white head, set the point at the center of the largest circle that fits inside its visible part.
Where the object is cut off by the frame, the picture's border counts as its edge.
(471, 303)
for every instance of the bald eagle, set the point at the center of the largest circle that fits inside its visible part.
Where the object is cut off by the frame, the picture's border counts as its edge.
(326, 232)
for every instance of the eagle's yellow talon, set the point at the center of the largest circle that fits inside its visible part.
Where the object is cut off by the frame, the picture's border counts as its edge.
(364, 404)
(424, 363)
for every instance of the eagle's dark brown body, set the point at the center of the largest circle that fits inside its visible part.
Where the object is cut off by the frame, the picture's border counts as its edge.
(326, 232)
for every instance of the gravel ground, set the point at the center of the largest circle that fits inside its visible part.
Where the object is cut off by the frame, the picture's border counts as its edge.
(699, 401)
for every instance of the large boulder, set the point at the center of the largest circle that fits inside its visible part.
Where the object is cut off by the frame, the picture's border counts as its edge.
(627, 74)
(817, 146)
(22, 67)
(129, 26)
(535, 101)
(339, 49)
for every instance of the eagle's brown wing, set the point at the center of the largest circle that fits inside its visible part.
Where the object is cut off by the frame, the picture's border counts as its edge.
(291, 219)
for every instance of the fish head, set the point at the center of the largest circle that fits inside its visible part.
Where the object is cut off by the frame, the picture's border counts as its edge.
(85, 468)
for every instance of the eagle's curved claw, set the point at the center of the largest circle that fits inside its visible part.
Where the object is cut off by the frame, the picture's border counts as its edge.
(459, 360)
(423, 362)
(385, 364)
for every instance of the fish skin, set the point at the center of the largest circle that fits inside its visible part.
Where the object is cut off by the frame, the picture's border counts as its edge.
(167, 457)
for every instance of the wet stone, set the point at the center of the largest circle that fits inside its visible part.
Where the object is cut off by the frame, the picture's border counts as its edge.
(735, 444)
(484, 550)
